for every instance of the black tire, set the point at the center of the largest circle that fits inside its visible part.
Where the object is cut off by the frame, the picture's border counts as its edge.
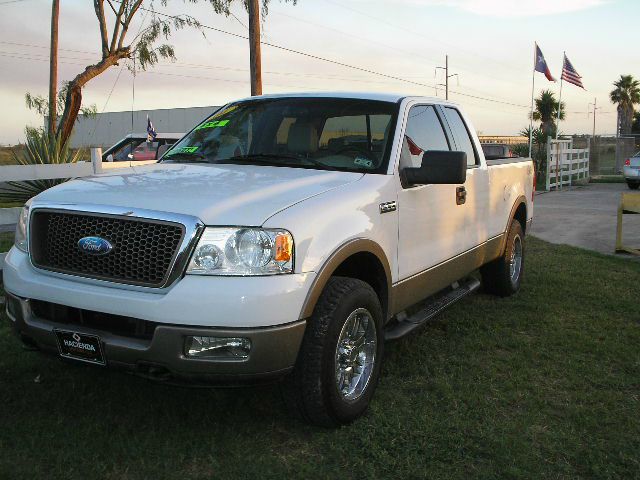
(497, 276)
(311, 389)
(633, 185)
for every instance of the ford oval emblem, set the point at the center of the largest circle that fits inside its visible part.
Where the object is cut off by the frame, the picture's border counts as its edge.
(94, 245)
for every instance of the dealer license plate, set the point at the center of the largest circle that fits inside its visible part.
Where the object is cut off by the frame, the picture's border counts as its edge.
(80, 346)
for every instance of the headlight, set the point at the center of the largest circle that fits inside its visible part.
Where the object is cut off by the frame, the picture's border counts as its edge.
(21, 241)
(243, 251)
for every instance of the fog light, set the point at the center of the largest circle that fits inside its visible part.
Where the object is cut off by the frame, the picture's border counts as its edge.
(218, 347)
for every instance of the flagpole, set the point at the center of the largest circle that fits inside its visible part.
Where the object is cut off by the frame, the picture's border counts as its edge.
(564, 55)
(533, 88)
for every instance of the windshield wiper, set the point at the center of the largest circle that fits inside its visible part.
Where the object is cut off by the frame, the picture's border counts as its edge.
(268, 156)
(271, 156)
(191, 157)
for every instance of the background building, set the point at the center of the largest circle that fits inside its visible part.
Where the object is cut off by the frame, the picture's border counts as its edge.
(107, 128)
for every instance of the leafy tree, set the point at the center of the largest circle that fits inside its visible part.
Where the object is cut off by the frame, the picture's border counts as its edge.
(635, 127)
(146, 48)
(546, 112)
(625, 95)
(539, 150)
(41, 104)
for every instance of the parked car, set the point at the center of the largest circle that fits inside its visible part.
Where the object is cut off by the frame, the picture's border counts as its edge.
(286, 237)
(135, 147)
(632, 171)
(496, 151)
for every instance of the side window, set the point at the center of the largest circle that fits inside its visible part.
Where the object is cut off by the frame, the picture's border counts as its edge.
(424, 132)
(461, 135)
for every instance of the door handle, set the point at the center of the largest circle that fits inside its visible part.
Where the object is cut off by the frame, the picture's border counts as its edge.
(461, 195)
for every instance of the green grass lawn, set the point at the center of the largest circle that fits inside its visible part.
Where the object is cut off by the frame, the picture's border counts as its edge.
(607, 179)
(545, 384)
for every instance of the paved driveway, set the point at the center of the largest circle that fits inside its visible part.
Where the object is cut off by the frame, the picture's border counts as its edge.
(585, 217)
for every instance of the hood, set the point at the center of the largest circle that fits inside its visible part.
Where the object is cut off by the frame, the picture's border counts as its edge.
(216, 194)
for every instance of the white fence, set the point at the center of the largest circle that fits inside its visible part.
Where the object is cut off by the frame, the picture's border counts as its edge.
(20, 173)
(565, 164)
(17, 173)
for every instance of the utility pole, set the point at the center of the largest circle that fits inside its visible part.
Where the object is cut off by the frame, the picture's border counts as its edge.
(53, 67)
(255, 59)
(446, 76)
(595, 108)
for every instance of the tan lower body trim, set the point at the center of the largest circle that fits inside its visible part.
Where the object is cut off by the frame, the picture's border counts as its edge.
(418, 287)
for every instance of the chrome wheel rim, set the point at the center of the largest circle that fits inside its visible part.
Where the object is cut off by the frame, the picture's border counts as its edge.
(515, 263)
(355, 354)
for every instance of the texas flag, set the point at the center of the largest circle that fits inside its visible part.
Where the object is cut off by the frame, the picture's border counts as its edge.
(541, 65)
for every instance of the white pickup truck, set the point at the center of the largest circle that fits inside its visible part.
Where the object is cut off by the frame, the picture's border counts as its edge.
(284, 237)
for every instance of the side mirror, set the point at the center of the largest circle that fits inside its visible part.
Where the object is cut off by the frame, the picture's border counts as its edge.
(438, 167)
(110, 158)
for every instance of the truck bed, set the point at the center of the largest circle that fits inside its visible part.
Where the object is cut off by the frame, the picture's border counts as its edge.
(504, 161)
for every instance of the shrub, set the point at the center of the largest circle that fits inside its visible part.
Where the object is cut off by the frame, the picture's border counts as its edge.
(40, 149)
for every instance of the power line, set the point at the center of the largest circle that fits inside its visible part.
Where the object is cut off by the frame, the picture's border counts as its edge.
(339, 63)
(413, 32)
(342, 64)
(11, 1)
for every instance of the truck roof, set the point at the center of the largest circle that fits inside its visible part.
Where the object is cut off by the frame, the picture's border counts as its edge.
(385, 97)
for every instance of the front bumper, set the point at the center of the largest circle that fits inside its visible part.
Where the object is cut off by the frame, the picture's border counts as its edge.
(273, 353)
(205, 301)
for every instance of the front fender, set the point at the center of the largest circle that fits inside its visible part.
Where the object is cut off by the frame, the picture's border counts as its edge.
(330, 227)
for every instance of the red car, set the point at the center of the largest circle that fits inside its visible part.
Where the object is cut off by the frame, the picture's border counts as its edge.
(135, 147)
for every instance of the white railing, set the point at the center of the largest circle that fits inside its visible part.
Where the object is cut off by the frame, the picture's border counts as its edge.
(565, 164)
(20, 173)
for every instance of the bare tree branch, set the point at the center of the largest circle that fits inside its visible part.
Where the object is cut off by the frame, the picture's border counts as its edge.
(112, 9)
(73, 101)
(127, 22)
(99, 7)
(116, 26)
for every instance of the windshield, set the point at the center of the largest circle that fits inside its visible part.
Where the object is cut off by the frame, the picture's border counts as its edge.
(320, 133)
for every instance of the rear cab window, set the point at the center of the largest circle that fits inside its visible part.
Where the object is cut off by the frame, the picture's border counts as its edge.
(461, 135)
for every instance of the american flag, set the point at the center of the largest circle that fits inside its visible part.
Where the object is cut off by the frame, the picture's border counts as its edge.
(570, 75)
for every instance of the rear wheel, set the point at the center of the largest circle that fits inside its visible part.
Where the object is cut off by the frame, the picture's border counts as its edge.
(633, 185)
(504, 275)
(341, 355)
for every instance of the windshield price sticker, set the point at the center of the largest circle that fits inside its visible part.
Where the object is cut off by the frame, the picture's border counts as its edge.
(225, 111)
(213, 124)
(188, 150)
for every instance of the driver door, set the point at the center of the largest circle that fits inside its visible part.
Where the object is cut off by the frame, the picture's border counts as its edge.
(431, 224)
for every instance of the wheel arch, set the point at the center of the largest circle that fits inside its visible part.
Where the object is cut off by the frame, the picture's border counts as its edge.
(359, 258)
(518, 212)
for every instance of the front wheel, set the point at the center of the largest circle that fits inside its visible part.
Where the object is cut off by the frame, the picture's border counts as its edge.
(503, 275)
(341, 355)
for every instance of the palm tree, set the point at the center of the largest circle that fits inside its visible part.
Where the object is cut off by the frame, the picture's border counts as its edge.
(625, 95)
(546, 112)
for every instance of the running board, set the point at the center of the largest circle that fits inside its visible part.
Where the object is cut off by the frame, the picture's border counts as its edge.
(407, 325)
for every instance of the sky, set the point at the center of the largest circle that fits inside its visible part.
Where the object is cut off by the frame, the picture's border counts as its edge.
(489, 44)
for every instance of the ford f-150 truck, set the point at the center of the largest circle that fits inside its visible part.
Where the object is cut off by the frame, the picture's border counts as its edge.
(284, 237)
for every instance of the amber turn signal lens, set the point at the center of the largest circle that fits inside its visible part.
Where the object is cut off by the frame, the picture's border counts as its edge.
(284, 248)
